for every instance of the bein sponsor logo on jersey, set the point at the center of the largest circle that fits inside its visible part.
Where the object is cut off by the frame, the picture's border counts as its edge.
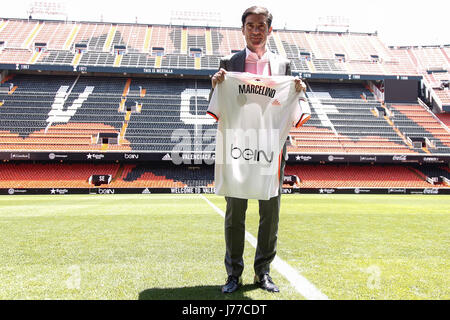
(249, 154)
(251, 146)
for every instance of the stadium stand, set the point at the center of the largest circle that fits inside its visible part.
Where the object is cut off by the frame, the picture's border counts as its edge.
(444, 118)
(166, 176)
(433, 63)
(90, 98)
(35, 112)
(42, 175)
(362, 53)
(414, 120)
(361, 176)
(148, 123)
(343, 113)
(21, 175)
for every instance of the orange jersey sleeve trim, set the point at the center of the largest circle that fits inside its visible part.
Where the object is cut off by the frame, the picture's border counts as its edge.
(303, 119)
(212, 115)
(279, 166)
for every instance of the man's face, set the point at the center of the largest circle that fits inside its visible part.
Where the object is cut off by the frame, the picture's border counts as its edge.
(256, 31)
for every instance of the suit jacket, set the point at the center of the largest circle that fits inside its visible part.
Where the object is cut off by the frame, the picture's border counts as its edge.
(279, 65)
(236, 62)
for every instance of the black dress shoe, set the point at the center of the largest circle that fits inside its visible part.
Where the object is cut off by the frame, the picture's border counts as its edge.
(233, 283)
(265, 282)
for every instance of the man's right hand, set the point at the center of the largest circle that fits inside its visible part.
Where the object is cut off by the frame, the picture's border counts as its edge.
(218, 77)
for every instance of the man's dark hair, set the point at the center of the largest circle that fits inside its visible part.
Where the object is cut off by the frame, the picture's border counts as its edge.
(257, 10)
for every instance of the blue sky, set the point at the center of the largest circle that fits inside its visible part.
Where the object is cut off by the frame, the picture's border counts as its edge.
(398, 22)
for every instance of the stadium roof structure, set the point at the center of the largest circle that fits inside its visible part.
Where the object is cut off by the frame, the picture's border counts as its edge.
(75, 46)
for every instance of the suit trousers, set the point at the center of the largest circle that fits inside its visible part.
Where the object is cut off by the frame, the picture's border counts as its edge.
(269, 212)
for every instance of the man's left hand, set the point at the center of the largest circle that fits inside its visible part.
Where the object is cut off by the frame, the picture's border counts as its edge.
(299, 85)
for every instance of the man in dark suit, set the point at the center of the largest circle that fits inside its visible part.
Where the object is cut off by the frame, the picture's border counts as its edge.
(255, 58)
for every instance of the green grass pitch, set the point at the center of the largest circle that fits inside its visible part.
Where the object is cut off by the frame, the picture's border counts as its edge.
(172, 247)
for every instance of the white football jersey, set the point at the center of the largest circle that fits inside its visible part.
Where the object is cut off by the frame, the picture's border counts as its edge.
(255, 114)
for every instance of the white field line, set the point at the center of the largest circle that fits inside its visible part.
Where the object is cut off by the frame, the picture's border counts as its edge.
(300, 283)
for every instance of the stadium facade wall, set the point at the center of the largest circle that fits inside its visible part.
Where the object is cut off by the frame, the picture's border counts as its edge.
(208, 158)
(192, 72)
(209, 190)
